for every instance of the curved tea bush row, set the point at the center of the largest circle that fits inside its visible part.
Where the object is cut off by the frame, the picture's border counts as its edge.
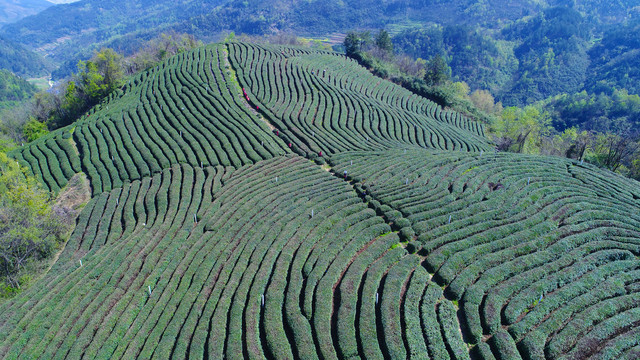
(332, 110)
(115, 262)
(52, 159)
(544, 248)
(293, 267)
(182, 111)
(347, 75)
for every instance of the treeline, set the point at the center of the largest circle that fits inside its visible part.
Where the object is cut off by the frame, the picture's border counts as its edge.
(560, 50)
(431, 79)
(597, 128)
(14, 88)
(31, 226)
(94, 80)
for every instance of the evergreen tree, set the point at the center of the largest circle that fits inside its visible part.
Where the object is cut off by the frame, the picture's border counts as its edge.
(438, 72)
(383, 41)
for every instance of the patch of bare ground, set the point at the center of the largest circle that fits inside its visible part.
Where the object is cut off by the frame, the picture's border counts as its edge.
(68, 205)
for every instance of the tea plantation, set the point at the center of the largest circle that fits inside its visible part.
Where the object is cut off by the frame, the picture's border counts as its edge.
(254, 201)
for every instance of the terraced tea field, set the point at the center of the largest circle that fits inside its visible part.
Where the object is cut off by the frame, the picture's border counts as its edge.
(254, 201)
(541, 253)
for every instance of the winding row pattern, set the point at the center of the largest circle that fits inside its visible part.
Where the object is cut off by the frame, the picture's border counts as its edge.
(324, 103)
(53, 160)
(182, 111)
(239, 265)
(541, 252)
(206, 238)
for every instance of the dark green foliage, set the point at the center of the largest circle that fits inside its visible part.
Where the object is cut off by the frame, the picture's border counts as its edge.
(437, 71)
(614, 63)
(552, 56)
(617, 112)
(19, 60)
(383, 41)
(479, 60)
(13, 88)
(505, 346)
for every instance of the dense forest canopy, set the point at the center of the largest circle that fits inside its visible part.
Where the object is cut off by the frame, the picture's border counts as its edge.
(21, 61)
(13, 88)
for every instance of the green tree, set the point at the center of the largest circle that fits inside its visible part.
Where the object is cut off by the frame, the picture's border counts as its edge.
(437, 71)
(356, 42)
(613, 151)
(92, 82)
(29, 228)
(383, 41)
(522, 129)
(109, 65)
(34, 129)
(351, 43)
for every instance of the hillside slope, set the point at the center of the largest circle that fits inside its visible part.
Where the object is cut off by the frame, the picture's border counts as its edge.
(65, 31)
(14, 10)
(210, 234)
(21, 61)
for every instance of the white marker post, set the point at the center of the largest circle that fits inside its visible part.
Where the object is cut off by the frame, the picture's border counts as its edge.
(449, 219)
(149, 290)
(528, 180)
(376, 298)
(80, 262)
(262, 296)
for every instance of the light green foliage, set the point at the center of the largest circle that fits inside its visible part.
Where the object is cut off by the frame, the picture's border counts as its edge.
(101, 75)
(34, 129)
(28, 228)
(524, 127)
(13, 88)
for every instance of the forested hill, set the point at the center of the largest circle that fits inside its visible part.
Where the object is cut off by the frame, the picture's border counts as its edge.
(67, 30)
(21, 61)
(13, 88)
(72, 31)
(14, 10)
(588, 47)
(259, 201)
